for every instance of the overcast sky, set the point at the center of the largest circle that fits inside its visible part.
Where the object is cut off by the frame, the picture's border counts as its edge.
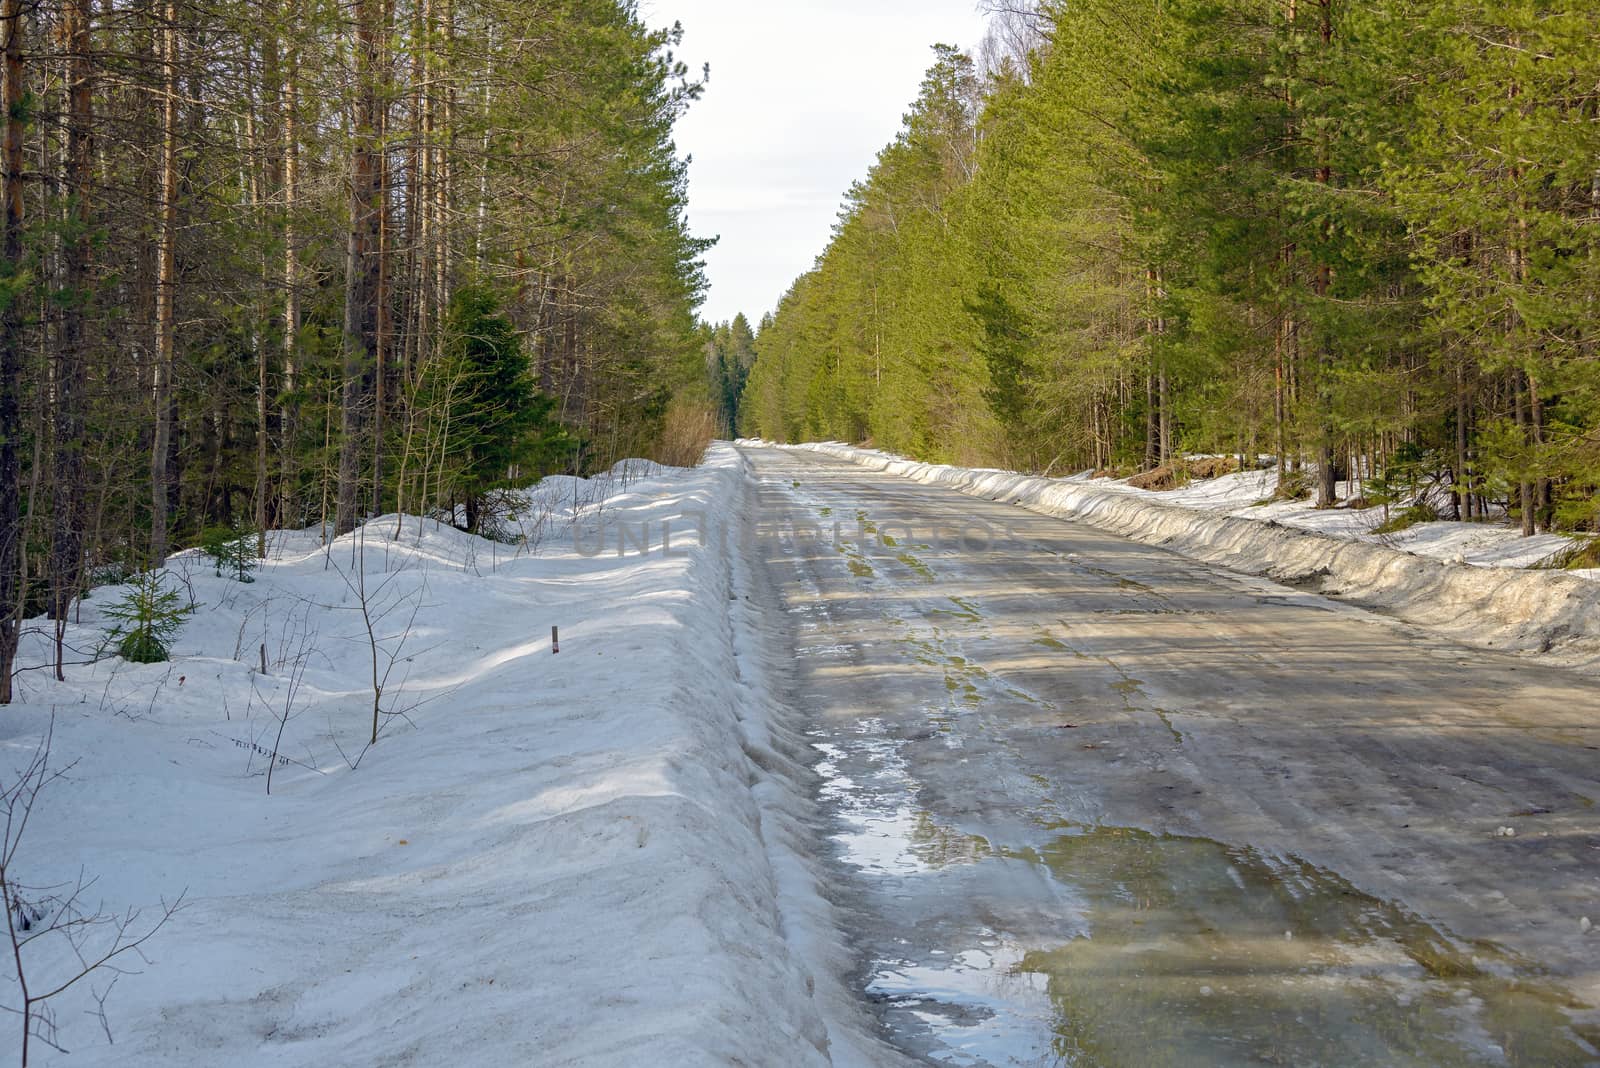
(803, 94)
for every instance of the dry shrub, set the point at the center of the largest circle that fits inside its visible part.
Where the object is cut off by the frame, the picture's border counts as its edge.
(1421, 512)
(1181, 472)
(1165, 477)
(1583, 553)
(686, 432)
(1294, 486)
(1213, 466)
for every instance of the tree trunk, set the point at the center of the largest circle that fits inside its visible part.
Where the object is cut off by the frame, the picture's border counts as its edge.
(1460, 493)
(1327, 481)
(1525, 494)
(1164, 400)
(66, 538)
(271, 183)
(1543, 491)
(382, 328)
(361, 262)
(11, 347)
(288, 414)
(166, 291)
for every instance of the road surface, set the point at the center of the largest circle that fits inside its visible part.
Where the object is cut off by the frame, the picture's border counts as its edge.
(1094, 803)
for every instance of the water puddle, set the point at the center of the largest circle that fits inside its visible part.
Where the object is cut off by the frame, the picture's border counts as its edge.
(1184, 951)
(984, 1005)
(1198, 953)
(881, 830)
(1126, 948)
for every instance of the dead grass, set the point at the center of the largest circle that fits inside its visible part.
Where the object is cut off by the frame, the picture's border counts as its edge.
(1182, 472)
(1421, 512)
(1582, 553)
(686, 433)
(1212, 466)
(1165, 477)
(1294, 486)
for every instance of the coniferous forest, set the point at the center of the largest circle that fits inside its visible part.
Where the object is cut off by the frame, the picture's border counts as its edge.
(278, 263)
(1362, 239)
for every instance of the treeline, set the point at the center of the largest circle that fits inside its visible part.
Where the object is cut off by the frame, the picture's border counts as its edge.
(730, 350)
(276, 263)
(1361, 237)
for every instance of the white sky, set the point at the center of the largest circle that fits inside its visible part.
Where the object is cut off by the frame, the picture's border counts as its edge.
(803, 94)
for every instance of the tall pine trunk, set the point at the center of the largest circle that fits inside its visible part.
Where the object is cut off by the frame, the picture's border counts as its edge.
(66, 533)
(288, 415)
(361, 265)
(166, 292)
(272, 180)
(1322, 283)
(11, 346)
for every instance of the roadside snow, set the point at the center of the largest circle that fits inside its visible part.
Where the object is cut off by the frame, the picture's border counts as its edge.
(1241, 494)
(1423, 576)
(599, 857)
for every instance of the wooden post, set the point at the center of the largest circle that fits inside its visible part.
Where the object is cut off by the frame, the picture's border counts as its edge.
(555, 641)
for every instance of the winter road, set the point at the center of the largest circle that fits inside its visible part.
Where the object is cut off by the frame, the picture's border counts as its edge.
(1094, 803)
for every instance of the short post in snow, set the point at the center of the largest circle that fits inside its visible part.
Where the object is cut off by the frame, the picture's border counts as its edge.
(555, 641)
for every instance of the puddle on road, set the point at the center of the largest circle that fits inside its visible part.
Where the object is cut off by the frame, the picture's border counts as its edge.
(1164, 950)
(1199, 953)
(980, 1001)
(882, 832)
(1195, 953)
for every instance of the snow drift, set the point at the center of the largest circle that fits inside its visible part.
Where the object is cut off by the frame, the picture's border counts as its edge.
(600, 857)
(1504, 608)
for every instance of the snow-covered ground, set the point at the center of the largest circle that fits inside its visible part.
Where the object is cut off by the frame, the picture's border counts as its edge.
(1470, 580)
(594, 857)
(1494, 543)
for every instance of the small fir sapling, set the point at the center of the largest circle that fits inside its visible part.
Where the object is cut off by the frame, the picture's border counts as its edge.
(232, 549)
(146, 620)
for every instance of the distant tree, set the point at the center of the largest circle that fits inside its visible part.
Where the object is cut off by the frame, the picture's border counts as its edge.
(730, 353)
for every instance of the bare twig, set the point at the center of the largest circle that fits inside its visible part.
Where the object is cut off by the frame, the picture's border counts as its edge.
(96, 940)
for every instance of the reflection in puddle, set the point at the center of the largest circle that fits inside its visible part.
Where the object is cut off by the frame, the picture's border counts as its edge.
(1198, 953)
(986, 1007)
(882, 831)
(1168, 950)
(876, 818)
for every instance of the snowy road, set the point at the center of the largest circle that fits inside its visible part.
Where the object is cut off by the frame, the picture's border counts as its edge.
(1096, 803)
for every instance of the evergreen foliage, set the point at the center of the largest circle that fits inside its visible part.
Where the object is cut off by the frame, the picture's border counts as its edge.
(1360, 238)
(294, 261)
(232, 548)
(501, 429)
(146, 620)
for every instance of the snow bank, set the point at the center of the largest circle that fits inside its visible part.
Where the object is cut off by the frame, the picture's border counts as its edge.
(1496, 607)
(1248, 495)
(600, 857)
